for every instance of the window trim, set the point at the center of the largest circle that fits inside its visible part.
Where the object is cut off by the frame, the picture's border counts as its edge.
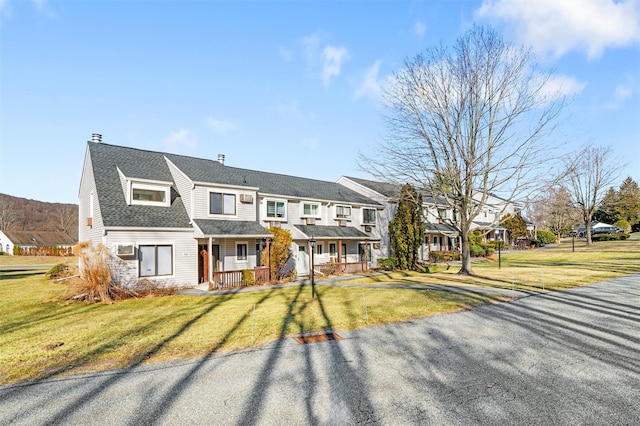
(173, 260)
(150, 187)
(223, 194)
(304, 215)
(246, 251)
(364, 221)
(266, 209)
(344, 206)
(319, 248)
(440, 210)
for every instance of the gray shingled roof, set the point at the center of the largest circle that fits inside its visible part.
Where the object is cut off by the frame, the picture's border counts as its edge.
(441, 228)
(213, 228)
(203, 170)
(392, 190)
(137, 164)
(342, 232)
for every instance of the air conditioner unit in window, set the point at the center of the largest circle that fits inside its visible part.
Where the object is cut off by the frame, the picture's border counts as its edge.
(125, 250)
(246, 198)
(367, 228)
(311, 221)
(274, 224)
(342, 223)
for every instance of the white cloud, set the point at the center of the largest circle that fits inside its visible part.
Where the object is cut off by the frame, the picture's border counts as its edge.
(182, 138)
(419, 28)
(561, 85)
(332, 62)
(221, 127)
(311, 47)
(621, 93)
(555, 27)
(370, 85)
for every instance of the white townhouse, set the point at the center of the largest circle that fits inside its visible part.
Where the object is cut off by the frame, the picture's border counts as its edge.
(441, 232)
(182, 220)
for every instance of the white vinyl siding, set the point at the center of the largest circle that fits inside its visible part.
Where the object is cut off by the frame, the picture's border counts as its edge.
(185, 254)
(244, 211)
(183, 185)
(89, 206)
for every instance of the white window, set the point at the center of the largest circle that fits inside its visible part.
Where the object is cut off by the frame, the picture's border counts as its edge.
(319, 248)
(369, 216)
(155, 260)
(332, 249)
(442, 213)
(310, 209)
(241, 251)
(220, 203)
(343, 212)
(276, 209)
(149, 194)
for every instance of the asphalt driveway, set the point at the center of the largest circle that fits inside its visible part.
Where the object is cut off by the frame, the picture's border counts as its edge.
(568, 357)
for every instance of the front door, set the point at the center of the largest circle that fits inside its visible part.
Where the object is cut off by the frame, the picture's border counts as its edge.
(302, 262)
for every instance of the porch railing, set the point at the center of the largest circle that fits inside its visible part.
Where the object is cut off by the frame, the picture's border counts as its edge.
(334, 268)
(230, 279)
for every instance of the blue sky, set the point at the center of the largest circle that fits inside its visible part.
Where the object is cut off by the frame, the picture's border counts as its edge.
(287, 87)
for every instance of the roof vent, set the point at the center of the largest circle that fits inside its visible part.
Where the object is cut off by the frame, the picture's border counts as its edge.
(96, 137)
(221, 158)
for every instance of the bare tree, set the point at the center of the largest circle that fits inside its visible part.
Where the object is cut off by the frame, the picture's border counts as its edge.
(9, 214)
(67, 218)
(467, 122)
(590, 172)
(553, 211)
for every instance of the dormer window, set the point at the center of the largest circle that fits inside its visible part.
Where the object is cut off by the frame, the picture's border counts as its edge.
(149, 194)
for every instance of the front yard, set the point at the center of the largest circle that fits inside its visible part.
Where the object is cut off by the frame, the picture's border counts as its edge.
(44, 337)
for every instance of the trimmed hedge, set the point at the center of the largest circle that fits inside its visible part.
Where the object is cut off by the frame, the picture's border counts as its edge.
(476, 250)
(609, 237)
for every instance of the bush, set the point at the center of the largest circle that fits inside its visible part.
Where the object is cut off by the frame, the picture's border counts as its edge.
(609, 237)
(436, 256)
(247, 277)
(57, 271)
(546, 237)
(476, 250)
(387, 263)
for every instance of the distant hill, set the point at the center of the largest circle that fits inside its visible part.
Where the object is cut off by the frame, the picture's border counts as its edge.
(22, 214)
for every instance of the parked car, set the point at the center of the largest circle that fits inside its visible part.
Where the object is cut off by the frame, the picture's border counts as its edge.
(607, 230)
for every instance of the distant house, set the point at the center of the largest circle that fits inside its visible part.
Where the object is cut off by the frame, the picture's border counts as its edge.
(179, 220)
(36, 242)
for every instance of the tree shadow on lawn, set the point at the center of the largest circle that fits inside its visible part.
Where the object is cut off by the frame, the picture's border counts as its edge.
(103, 383)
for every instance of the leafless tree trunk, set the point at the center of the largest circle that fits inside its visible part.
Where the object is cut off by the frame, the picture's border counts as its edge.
(589, 173)
(9, 215)
(67, 219)
(468, 122)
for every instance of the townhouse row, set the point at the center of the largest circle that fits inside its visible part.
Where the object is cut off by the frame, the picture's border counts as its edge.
(182, 220)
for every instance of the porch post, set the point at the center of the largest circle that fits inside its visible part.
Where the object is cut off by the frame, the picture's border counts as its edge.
(340, 266)
(366, 255)
(211, 266)
(268, 257)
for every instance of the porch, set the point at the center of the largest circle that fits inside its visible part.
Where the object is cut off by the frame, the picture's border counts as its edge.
(231, 279)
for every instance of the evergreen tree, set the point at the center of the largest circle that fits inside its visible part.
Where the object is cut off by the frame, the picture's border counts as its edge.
(628, 207)
(516, 226)
(608, 210)
(407, 228)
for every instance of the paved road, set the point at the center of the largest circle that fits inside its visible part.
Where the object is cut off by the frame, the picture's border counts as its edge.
(560, 358)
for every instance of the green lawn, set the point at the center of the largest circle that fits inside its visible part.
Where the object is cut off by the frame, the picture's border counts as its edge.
(43, 336)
